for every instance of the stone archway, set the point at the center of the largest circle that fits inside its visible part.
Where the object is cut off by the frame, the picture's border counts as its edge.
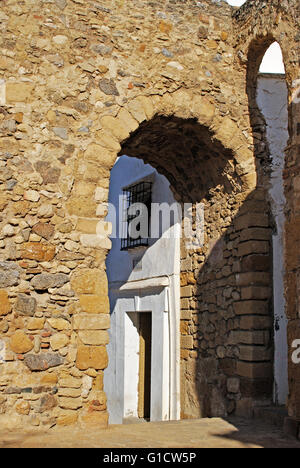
(180, 134)
(253, 41)
(71, 98)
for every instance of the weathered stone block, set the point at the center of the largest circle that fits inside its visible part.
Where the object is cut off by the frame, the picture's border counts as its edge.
(9, 274)
(45, 281)
(255, 278)
(90, 282)
(187, 342)
(256, 263)
(69, 392)
(100, 155)
(254, 370)
(251, 308)
(87, 225)
(255, 353)
(43, 362)
(59, 324)
(253, 247)
(70, 382)
(252, 220)
(18, 92)
(94, 337)
(47, 402)
(115, 126)
(36, 324)
(5, 306)
(257, 234)
(23, 407)
(49, 379)
(58, 341)
(248, 337)
(95, 241)
(233, 385)
(93, 304)
(186, 291)
(25, 305)
(70, 403)
(67, 418)
(20, 343)
(256, 293)
(44, 230)
(82, 206)
(91, 357)
(38, 251)
(256, 322)
(95, 419)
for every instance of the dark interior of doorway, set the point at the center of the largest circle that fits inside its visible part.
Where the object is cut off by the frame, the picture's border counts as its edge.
(145, 332)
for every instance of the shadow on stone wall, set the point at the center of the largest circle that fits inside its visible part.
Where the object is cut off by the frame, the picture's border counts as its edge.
(226, 287)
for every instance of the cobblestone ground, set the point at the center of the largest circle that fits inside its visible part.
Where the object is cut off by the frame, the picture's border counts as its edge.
(204, 433)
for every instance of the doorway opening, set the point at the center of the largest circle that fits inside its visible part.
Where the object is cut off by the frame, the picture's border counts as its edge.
(144, 398)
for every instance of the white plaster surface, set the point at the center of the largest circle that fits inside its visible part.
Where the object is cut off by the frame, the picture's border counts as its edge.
(152, 287)
(272, 100)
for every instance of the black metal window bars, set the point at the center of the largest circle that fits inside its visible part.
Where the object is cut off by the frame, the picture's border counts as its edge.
(138, 193)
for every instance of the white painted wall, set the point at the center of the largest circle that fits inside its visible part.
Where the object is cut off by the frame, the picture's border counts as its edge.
(153, 287)
(272, 100)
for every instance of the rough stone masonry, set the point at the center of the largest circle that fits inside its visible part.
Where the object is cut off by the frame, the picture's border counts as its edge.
(174, 83)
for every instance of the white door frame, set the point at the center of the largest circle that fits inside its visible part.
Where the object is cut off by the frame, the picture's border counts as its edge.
(161, 296)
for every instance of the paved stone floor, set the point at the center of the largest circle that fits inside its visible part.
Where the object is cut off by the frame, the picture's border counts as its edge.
(203, 433)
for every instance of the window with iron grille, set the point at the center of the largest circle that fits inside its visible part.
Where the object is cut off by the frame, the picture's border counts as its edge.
(136, 212)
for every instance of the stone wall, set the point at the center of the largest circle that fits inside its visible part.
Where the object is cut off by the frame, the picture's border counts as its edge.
(82, 82)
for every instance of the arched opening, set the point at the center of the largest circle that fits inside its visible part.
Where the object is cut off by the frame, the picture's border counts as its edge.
(223, 282)
(143, 269)
(268, 99)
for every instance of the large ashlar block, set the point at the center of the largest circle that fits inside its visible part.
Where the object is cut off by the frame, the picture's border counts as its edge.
(95, 241)
(94, 357)
(255, 278)
(108, 141)
(252, 220)
(93, 304)
(101, 194)
(254, 370)
(115, 126)
(128, 121)
(256, 292)
(87, 225)
(90, 281)
(251, 307)
(203, 109)
(100, 155)
(83, 188)
(94, 337)
(91, 322)
(82, 206)
(136, 109)
(147, 105)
